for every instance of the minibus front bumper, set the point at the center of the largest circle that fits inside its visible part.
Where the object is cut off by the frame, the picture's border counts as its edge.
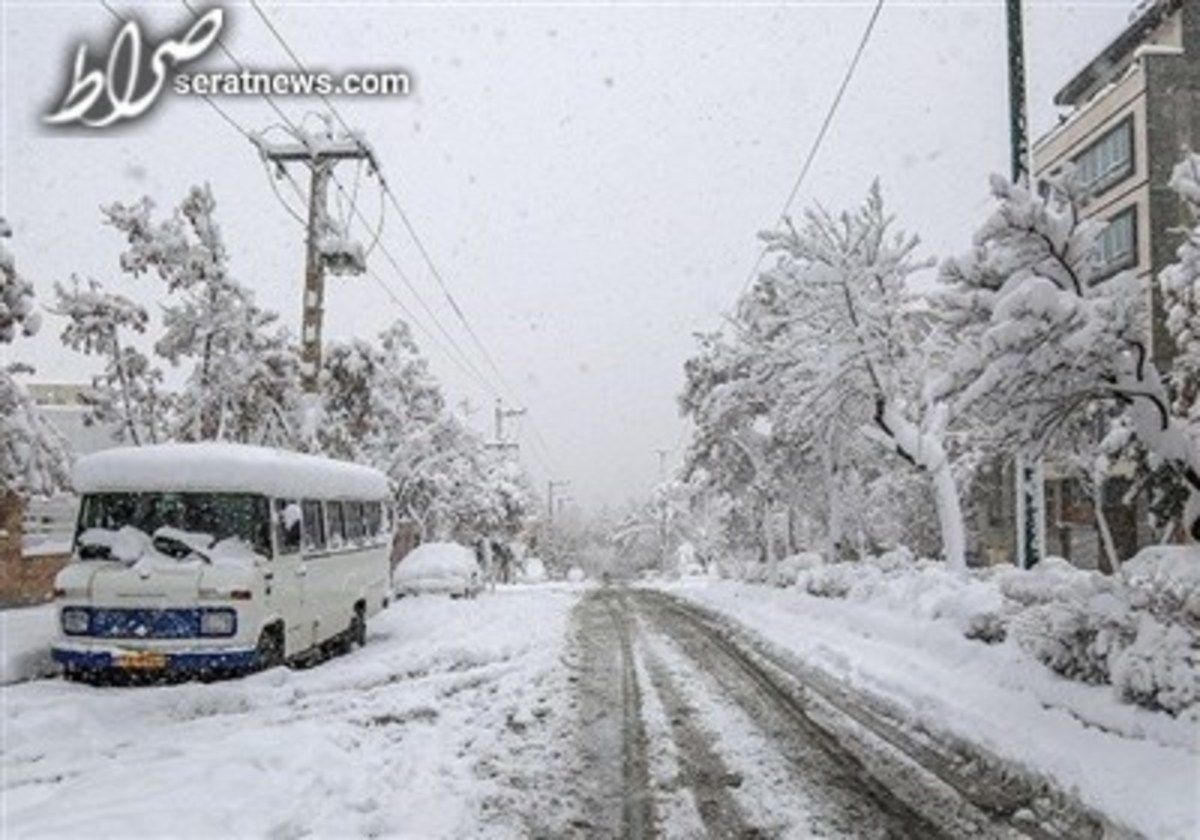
(82, 659)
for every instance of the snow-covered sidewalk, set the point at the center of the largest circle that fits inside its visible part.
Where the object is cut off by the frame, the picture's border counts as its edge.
(1140, 768)
(421, 733)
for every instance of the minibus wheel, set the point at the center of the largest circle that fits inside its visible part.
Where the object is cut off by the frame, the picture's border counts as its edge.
(270, 647)
(358, 626)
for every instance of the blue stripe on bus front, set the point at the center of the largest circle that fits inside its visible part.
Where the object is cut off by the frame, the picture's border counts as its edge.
(93, 660)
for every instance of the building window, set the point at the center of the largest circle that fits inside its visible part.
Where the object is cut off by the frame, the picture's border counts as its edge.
(1107, 161)
(1116, 246)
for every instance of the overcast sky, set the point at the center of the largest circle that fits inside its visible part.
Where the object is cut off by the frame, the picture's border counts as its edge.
(589, 178)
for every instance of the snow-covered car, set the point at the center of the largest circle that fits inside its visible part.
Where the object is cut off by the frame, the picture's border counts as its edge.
(438, 569)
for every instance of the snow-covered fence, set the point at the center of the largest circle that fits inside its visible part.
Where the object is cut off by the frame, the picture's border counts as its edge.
(49, 525)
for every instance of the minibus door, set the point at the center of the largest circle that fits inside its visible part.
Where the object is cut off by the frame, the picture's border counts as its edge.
(287, 577)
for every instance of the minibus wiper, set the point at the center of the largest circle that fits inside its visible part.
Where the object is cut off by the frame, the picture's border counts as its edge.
(95, 551)
(177, 548)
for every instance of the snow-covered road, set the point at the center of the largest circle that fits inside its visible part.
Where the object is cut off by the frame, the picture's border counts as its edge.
(431, 730)
(530, 712)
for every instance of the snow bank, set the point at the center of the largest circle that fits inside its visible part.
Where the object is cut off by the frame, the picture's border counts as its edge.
(1138, 634)
(533, 570)
(226, 467)
(25, 637)
(911, 640)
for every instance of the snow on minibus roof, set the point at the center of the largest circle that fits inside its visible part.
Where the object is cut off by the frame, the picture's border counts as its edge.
(226, 468)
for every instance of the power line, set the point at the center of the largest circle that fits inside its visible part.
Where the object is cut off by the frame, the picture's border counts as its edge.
(453, 353)
(404, 218)
(460, 315)
(458, 357)
(820, 138)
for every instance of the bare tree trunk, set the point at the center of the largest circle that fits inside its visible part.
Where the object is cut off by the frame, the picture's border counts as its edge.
(772, 558)
(1109, 564)
(834, 525)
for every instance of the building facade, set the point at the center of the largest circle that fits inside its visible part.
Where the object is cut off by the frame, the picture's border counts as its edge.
(1129, 116)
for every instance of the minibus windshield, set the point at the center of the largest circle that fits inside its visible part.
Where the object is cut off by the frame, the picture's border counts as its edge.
(212, 516)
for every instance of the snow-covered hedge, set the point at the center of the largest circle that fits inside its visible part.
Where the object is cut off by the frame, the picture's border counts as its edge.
(1139, 632)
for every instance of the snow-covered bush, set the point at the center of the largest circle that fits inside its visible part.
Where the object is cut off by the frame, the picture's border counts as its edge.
(1078, 636)
(835, 580)
(1168, 579)
(896, 559)
(791, 567)
(753, 573)
(1161, 668)
(1139, 634)
(1051, 580)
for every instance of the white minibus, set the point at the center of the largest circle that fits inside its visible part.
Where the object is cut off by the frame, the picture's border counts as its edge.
(208, 558)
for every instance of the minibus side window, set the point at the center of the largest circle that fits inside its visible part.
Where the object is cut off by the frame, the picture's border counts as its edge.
(314, 525)
(354, 521)
(337, 524)
(374, 517)
(287, 526)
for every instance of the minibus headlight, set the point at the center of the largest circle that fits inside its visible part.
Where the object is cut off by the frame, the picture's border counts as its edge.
(75, 621)
(218, 622)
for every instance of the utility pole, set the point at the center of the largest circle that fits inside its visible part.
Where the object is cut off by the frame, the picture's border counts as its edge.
(551, 486)
(1030, 489)
(320, 157)
(503, 414)
(1018, 127)
(500, 416)
(662, 463)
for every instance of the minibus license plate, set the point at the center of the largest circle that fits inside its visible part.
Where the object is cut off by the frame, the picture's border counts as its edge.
(142, 660)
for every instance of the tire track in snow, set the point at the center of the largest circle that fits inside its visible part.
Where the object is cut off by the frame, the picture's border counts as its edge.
(841, 798)
(612, 738)
(700, 766)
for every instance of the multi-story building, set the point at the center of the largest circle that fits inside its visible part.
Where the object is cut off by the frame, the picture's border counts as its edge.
(1128, 117)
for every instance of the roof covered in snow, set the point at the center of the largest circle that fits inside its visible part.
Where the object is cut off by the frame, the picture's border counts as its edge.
(1148, 17)
(226, 467)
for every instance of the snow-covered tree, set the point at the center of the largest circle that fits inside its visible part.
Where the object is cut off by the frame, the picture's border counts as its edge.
(382, 406)
(127, 394)
(33, 457)
(1180, 284)
(840, 344)
(241, 385)
(828, 351)
(1045, 335)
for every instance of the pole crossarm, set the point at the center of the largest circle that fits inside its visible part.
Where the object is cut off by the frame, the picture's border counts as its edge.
(320, 159)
